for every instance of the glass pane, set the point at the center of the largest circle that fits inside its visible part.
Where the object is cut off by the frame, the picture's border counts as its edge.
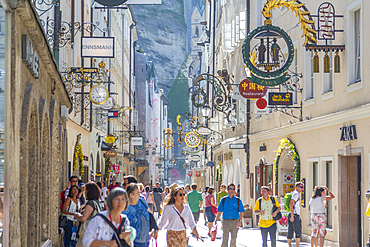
(329, 184)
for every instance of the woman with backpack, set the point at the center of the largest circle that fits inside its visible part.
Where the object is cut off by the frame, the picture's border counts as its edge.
(71, 208)
(149, 198)
(92, 208)
(111, 227)
(318, 213)
(137, 213)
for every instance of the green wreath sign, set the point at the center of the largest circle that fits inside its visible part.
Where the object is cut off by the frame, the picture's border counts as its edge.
(199, 98)
(289, 145)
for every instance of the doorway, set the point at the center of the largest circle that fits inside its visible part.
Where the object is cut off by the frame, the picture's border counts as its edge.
(350, 233)
(264, 174)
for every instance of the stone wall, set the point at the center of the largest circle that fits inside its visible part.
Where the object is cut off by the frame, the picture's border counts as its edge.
(36, 137)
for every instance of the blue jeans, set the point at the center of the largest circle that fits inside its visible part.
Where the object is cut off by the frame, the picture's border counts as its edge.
(68, 234)
(272, 231)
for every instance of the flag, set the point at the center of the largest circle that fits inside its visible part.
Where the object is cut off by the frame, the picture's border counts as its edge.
(112, 114)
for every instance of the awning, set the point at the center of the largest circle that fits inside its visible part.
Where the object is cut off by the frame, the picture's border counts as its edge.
(105, 146)
(140, 169)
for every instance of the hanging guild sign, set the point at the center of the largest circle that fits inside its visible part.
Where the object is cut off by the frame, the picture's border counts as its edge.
(280, 99)
(190, 173)
(110, 139)
(249, 90)
(197, 174)
(111, 154)
(102, 47)
(192, 139)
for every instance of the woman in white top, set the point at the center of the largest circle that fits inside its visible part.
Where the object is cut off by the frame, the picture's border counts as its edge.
(100, 233)
(71, 208)
(318, 213)
(176, 218)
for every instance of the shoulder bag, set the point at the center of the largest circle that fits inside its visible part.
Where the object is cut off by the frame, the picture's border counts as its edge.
(117, 232)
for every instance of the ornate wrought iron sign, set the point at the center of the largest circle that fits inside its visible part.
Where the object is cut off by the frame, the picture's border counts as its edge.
(250, 90)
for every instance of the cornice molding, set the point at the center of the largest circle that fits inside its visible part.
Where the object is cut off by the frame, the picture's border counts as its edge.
(315, 123)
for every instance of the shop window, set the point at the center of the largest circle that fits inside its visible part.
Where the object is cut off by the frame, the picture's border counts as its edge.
(329, 184)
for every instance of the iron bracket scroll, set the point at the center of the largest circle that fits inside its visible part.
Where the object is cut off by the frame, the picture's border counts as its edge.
(289, 110)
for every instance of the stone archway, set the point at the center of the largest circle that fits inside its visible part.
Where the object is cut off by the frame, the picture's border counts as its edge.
(286, 166)
(46, 171)
(225, 175)
(231, 174)
(29, 167)
(237, 174)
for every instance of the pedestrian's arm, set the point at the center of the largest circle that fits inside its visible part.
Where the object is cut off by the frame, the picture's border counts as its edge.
(218, 216)
(88, 211)
(241, 216)
(67, 202)
(213, 202)
(330, 196)
(291, 206)
(257, 208)
(153, 201)
(201, 201)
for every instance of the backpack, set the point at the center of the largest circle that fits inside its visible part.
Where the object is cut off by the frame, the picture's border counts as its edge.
(273, 200)
(287, 199)
(62, 198)
(223, 202)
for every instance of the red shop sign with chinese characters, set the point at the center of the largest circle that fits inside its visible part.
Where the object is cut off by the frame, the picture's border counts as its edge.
(190, 173)
(249, 90)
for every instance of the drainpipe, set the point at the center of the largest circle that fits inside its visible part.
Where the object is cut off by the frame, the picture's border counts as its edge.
(247, 147)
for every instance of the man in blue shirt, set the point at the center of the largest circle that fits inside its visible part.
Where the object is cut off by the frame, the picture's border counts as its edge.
(232, 208)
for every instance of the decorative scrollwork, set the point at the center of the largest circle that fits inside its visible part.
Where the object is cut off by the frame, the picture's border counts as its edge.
(43, 6)
(67, 30)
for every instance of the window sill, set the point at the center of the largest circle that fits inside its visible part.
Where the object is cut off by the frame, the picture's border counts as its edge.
(327, 95)
(309, 102)
(354, 86)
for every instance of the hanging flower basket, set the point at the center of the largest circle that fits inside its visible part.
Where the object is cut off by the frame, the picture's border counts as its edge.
(79, 159)
(292, 151)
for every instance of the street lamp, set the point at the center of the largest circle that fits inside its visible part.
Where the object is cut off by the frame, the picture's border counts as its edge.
(206, 111)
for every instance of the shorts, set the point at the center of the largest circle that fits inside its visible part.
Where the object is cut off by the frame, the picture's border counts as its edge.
(318, 222)
(209, 214)
(294, 227)
(196, 215)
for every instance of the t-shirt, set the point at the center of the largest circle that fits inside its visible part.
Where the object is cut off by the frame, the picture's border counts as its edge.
(148, 197)
(220, 195)
(111, 186)
(266, 220)
(317, 205)
(104, 190)
(230, 207)
(296, 206)
(194, 198)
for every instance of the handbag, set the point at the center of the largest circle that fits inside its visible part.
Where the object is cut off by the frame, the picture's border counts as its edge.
(214, 210)
(83, 226)
(63, 221)
(119, 241)
(278, 215)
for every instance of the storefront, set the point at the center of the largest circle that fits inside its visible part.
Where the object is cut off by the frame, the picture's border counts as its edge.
(331, 151)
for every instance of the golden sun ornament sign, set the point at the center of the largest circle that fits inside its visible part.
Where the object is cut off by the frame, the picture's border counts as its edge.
(192, 139)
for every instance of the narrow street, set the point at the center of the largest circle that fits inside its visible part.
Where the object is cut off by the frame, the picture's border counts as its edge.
(247, 237)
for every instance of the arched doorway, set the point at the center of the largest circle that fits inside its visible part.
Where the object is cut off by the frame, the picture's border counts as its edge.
(237, 174)
(225, 175)
(263, 175)
(285, 171)
(231, 174)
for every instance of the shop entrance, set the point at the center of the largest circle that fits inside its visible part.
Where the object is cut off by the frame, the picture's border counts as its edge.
(350, 201)
(264, 174)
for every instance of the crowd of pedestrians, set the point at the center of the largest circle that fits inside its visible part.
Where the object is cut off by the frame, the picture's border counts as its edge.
(94, 214)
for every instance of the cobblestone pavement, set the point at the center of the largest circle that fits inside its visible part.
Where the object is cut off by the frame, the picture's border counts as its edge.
(247, 237)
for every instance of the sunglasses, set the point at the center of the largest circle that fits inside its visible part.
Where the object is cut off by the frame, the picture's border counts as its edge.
(181, 194)
(231, 188)
(300, 187)
(74, 181)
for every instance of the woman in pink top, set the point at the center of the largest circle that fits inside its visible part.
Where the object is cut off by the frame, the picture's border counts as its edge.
(149, 198)
(210, 201)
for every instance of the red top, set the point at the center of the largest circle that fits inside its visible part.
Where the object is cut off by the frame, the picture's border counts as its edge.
(111, 186)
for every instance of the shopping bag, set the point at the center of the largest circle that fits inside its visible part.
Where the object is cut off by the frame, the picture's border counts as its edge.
(214, 233)
(153, 242)
(368, 209)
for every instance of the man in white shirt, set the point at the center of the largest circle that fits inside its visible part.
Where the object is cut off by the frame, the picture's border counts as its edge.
(295, 222)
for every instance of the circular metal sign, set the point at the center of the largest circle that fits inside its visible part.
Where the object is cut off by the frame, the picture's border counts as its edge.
(250, 90)
(192, 139)
(111, 2)
(110, 139)
(261, 103)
